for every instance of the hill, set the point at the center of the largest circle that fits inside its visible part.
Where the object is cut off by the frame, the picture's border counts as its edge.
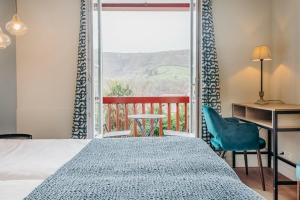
(131, 65)
(148, 74)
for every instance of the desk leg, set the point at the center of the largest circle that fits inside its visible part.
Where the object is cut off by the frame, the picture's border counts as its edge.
(275, 165)
(233, 159)
(269, 148)
(298, 190)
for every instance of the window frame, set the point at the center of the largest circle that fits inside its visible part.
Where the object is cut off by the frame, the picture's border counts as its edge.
(145, 6)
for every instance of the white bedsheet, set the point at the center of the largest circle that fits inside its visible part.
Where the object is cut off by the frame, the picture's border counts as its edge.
(24, 164)
(35, 159)
(17, 189)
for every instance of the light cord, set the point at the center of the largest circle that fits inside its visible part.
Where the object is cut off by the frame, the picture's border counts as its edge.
(16, 2)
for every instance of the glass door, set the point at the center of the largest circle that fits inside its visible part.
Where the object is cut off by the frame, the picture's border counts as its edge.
(97, 69)
(145, 49)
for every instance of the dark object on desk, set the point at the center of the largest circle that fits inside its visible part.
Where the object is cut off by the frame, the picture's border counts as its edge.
(15, 136)
(229, 135)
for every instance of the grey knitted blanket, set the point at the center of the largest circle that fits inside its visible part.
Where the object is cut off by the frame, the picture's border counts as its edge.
(144, 168)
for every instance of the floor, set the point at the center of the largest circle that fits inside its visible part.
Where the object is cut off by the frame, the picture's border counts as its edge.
(253, 181)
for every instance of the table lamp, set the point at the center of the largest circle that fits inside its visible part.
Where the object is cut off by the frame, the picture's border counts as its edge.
(261, 53)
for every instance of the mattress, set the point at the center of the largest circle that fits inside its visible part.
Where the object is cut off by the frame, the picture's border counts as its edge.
(24, 164)
(17, 189)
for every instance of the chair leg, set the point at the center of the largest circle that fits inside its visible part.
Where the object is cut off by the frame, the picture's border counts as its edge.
(261, 170)
(246, 161)
(223, 154)
(298, 190)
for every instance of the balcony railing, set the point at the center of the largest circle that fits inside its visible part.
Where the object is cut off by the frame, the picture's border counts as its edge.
(117, 109)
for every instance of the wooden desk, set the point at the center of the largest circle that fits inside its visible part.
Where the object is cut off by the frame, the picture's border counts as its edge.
(276, 118)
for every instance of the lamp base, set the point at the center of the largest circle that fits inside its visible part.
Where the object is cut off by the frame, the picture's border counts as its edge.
(276, 101)
(262, 102)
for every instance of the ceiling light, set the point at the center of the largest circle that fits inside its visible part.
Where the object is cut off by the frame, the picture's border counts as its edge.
(4, 40)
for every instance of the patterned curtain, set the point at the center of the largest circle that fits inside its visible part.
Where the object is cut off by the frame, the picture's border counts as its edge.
(79, 130)
(210, 68)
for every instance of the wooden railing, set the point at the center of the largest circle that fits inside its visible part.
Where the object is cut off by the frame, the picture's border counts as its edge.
(117, 109)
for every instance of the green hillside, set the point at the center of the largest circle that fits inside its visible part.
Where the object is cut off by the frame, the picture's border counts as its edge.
(169, 73)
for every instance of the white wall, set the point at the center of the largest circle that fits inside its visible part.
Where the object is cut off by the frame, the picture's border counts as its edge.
(240, 25)
(8, 91)
(285, 74)
(46, 67)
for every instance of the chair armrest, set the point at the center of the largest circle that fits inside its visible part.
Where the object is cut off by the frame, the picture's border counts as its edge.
(15, 136)
(240, 137)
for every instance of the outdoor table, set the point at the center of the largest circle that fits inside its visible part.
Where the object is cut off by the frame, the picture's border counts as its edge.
(139, 118)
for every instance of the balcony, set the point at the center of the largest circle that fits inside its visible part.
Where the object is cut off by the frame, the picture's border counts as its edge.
(117, 109)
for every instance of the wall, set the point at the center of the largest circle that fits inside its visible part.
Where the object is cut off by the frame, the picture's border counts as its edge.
(240, 25)
(8, 93)
(46, 67)
(285, 73)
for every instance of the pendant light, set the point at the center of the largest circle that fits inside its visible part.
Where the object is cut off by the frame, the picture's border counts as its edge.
(4, 40)
(16, 26)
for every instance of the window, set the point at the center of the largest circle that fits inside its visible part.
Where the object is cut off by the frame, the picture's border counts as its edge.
(146, 47)
(145, 50)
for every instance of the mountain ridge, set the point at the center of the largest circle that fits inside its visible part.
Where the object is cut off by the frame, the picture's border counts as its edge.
(132, 65)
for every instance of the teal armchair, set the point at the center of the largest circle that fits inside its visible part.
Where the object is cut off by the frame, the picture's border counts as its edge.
(230, 135)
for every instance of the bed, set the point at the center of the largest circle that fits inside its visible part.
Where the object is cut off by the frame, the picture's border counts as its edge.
(24, 164)
(127, 168)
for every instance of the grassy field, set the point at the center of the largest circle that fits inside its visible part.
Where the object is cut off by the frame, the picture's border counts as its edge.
(170, 73)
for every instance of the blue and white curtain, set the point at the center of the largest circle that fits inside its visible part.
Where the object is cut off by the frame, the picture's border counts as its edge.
(210, 68)
(79, 130)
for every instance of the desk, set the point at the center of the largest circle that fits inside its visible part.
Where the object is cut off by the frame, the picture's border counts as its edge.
(277, 119)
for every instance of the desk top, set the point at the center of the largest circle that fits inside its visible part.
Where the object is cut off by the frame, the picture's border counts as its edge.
(271, 106)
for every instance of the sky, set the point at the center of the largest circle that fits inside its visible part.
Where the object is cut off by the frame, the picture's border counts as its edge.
(137, 31)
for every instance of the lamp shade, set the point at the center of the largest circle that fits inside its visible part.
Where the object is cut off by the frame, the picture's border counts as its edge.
(16, 27)
(4, 40)
(261, 53)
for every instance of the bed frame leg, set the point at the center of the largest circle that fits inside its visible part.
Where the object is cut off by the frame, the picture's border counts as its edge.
(223, 154)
